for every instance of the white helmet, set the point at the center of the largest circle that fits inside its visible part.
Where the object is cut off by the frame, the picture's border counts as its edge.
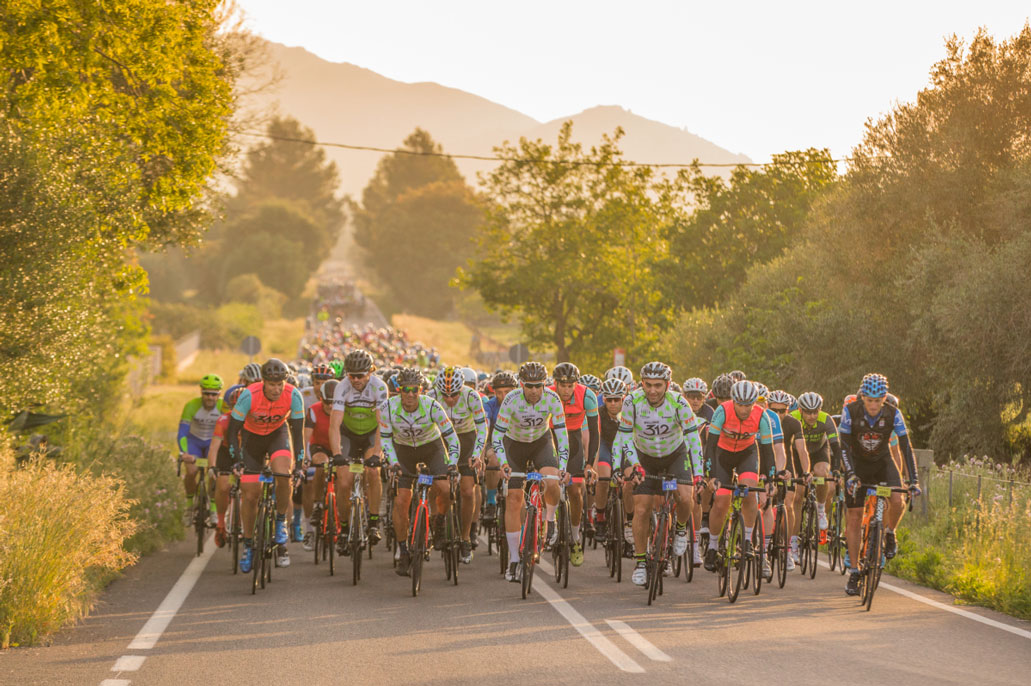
(469, 374)
(621, 373)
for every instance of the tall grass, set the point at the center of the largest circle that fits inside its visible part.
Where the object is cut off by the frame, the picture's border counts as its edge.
(62, 530)
(979, 550)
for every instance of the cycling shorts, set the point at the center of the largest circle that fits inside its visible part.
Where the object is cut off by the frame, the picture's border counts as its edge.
(432, 454)
(196, 446)
(725, 463)
(352, 445)
(224, 461)
(467, 442)
(314, 449)
(257, 447)
(575, 464)
(880, 471)
(524, 457)
(677, 464)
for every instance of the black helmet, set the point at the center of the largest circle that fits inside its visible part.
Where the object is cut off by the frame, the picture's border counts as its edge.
(533, 372)
(329, 389)
(566, 372)
(504, 380)
(721, 386)
(410, 376)
(358, 362)
(274, 370)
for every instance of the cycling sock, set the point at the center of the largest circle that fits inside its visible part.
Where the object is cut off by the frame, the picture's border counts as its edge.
(214, 507)
(280, 517)
(640, 558)
(373, 520)
(189, 502)
(748, 532)
(681, 526)
(576, 533)
(513, 545)
(549, 512)
(794, 541)
(403, 545)
(492, 496)
(713, 540)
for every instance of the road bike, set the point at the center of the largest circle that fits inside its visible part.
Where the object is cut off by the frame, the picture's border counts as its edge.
(531, 534)
(201, 513)
(660, 543)
(809, 532)
(836, 545)
(560, 550)
(389, 536)
(358, 527)
(325, 515)
(419, 526)
(871, 552)
(614, 517)
(732, 554)
(265, 530)
(234, 521)
(451, 550)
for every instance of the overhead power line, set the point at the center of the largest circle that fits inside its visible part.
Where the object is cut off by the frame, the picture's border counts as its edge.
(495, 158)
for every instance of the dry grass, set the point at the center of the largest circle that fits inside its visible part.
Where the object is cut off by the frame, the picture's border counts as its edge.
(451, 339)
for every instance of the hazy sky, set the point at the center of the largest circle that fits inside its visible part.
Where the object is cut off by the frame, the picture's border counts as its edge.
(754, 77)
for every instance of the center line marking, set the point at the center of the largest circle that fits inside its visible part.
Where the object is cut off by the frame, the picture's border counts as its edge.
(638, 641)
(129, 663)
(590, 632)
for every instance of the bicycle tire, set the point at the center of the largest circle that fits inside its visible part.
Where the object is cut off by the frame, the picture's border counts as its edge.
(258, 549)
(270, 542)
(803, 539)
(814, 543)
(234, 524)
(722, 563)
(456, 541)
(616, 535)
(200, 515)
(528, 542)
(872, 564)
(688, 562)
(834, 538)
(736, 560)
(656, 555)
(418, 549)
(354, 542)
(759, 556)
(781, 545)
(330, 542)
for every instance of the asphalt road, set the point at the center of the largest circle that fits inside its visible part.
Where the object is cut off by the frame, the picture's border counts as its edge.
(310, 628)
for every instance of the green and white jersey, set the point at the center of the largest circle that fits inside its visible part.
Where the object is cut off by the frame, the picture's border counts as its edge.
(657, 431)
(525, 423)
(467, 415)
(359, 407)
(426, 424)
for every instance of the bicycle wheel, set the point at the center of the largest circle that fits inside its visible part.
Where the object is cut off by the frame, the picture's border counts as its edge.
(758, 557)
(834, 538)
(234, 528)
(354, 542)
(722, 563)
(528, 543)
(688, 563)
(872, 563)
(456, 540)
(258, 549)
(418, 548)
(814, 543)
(737, 559)
(200, 515)
(780, 545)
(270, 543)
(561, 516)
(657, 548)
(803, 539)
(616, 536)
(330, 537)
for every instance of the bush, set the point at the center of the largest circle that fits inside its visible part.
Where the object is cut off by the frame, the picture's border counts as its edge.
(62, 531)
(227, 326)
(177, 319)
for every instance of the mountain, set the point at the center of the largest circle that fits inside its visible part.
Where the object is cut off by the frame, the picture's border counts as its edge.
(345, 103)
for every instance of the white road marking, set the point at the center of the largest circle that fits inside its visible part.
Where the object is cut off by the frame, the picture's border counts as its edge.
(590, 632)
(128, 663)
(159, 621)
(638, 641)
(115, 682)
(1023, 633)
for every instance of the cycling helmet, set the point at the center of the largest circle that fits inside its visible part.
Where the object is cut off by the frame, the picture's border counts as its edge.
(274, 370)
(893, 400)
(481, 376)
(810, 401)
(764, 391)
(780, 397)
(449, 381)
(744, 393)
(251, 373)
(721, 386)
(232, 394)
(695, 385)
(504, 380)
(359, 362)
(322, 372)
(469, 376)
(674, 386)
(303, 380)
(566, 372)
(849, 399)
(592, 382)
(392, 385)
(613, 388)
(737, 375)
(874, 386)
(291, 379)
(329, 389)
(533, 372)
(656, 370)
(621, 373)
(211, 382)
(409, 376)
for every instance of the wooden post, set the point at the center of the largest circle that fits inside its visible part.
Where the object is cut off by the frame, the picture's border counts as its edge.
(950, 489)
(924, 464)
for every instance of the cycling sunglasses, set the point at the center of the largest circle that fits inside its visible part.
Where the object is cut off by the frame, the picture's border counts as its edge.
(533, 385)
(357, 376)
(411, 389)
(210, 393)
(452, 395)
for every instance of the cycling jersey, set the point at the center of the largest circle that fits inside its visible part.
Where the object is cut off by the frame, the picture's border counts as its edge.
(224, 459)
(263, 416)
(466, 416)
(867, 439)
(736, 435)
(522, 422)
(778, 433)
(821, 438)
(657, 431)
(197, 422)
(310, 396)
(318, 422)
(704, 415)
(427, 423)
(582, 404)
(359, 407)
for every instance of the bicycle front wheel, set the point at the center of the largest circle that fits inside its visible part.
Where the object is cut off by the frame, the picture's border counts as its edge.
(758, 557)
(258, 549)
(737, 558)
(331, 535)
(200, 517)
(418, 551)
(872, 563)
(528, 552)
(780, 545)
(234, 529)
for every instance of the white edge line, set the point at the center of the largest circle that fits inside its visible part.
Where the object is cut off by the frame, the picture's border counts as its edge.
(638, 641)
(115, 682)
(585, 628)
(1023, 633)
(129, 663)
(150, 633)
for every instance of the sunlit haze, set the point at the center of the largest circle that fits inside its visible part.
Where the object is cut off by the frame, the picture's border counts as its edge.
(754, 77)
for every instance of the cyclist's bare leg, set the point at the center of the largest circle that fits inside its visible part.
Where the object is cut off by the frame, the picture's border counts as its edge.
(401, 504)
(344, 484)
(468, 489)
(551, 488)
(442, 491)
(896, 508)
(319, 483)
(789, 513)
(796, 516)
(601, 492)
(642, 521)
(685, 502)
(284, 491)
(250, 491)
(853, 533)
(190, 478)
(575, 491)
(222, 486)
(822, 469)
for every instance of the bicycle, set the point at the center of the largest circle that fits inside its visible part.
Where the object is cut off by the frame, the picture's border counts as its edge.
(780, 545)
(614, 521)
(452, 548)
(731, 556)
(490, 525)
(809, 533)
(871, 555)
(563, 543)
(326, 527)
(265, 530)
(358, 527)
(587, 527)
(234, 522)
(836, 545)
(201, 501)
(531, 533)
(660, 543)
(419, 526)
(499, 525)
(389, 537)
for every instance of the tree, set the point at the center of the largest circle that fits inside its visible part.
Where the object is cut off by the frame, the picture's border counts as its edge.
(569, 243)
(290, 167)
(281, 261)
(417, 210)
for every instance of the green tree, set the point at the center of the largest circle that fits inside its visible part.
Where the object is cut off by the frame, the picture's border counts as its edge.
(569, 243)
(416, 224)
(282, 262)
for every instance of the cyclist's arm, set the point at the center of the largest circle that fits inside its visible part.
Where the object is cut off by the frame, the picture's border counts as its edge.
(480, 420)
(240, 411)
(216, 443)
(447, 432)
(498, 435)
(189, 409)
(386, 435)
(803, 455)
(690, 424)
(558, 417)
(719, 416)
(624, 446)
(593, 431)
(309, 431)
(767, 448)
(906, 446)
(296, 423)
(336, 418)
(845, 434)
(835, 442)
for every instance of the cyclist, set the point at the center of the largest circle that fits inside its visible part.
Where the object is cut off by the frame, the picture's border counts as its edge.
(251, 373)
(316, 441)
(501, 385)
(521, 435)
(738, 426)
(718, 394)
(769, 468)
(798, 465)
(353, 435)
(581, 406)
(623, 374)
(464, 409)
(196, 427)
(613, 391)
(413, 428)
(821, 438)
(220, 456)
(267, 417)
(658, 434)
(865, 430)
(695, 391)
